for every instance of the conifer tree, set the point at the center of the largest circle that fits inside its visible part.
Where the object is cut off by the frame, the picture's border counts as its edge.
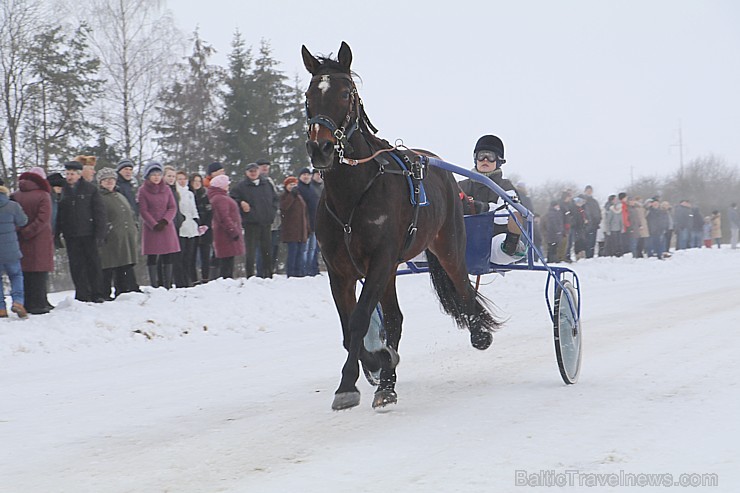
(268, 106)
(66, 84)
(188, 111)
(293, 133)
(237, 132)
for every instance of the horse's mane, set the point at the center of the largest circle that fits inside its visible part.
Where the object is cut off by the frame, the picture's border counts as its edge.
(329, 64)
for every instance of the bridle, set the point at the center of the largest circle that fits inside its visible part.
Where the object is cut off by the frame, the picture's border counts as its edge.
(351, 122)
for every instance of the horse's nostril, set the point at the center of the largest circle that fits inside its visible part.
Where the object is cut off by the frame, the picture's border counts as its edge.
(312, 146)
(327, 147)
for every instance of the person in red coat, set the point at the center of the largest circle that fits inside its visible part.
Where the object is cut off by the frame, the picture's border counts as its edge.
(157, 209)
(294, 226)
(36, 239)
(228, 241)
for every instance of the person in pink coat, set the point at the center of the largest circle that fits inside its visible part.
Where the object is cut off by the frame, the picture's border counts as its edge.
(157, 209)
(228, 240)
(36, 239)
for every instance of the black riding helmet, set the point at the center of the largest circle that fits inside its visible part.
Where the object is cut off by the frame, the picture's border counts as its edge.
(490, 143)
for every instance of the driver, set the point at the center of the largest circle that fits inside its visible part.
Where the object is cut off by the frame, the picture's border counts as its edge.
(488, 156)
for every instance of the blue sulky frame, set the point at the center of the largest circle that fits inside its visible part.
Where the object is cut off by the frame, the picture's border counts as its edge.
(566, 317)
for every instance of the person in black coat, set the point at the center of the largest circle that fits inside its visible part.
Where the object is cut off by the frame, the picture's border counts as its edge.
(593, 213)
(125, 183)
(205, 214)
(554, 231)
(683, 221)
(658, 223)
(126, 186)
(81, 220)
(258, 203)
(310, 255)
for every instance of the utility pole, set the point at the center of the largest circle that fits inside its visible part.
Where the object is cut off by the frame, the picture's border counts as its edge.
(680, 148)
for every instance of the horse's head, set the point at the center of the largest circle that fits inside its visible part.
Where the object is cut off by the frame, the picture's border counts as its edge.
(332, 106)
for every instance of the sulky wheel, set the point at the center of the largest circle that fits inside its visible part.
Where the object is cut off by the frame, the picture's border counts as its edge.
(567, 328)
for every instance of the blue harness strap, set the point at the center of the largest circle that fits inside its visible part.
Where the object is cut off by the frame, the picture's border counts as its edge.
(422, 193)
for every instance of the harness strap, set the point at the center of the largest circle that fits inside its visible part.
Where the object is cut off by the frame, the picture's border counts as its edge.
(414, 173)
(347, 227)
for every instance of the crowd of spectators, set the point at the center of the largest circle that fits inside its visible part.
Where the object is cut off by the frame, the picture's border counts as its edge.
(189, 228)
(577, 227)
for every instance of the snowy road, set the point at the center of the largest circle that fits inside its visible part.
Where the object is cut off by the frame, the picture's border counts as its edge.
(244, 406)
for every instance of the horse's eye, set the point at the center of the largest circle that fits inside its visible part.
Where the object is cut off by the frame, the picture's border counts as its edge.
(345, 94)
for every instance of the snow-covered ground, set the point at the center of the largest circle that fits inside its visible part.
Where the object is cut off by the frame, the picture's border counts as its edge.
(227, 387)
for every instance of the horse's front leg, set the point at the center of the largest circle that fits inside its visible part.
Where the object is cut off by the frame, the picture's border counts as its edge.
(343, 292)
(347, 395)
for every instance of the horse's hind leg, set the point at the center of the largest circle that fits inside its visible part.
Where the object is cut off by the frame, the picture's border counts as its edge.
(458, 297)
(392, 321)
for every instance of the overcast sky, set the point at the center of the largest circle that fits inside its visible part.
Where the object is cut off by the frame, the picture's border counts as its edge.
(584, 91)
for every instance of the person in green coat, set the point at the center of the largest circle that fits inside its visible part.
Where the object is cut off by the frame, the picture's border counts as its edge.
(118, 253)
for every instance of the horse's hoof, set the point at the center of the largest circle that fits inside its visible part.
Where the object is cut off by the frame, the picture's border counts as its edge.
(345, 400)
(481, 339)
(384, 397)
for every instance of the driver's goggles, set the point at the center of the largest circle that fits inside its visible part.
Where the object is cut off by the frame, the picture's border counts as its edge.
(489, 156)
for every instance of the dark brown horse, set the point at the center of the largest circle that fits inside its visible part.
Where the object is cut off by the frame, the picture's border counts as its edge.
(366, 225)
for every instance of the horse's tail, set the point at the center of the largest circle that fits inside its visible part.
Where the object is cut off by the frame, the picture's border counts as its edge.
(475, 315)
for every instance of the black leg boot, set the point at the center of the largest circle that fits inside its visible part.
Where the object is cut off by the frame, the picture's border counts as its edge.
(153, 276)
(510, 244)
(167, 279)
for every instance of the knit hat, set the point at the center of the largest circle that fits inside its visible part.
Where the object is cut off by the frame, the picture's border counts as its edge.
(106, 173)
(289, 180)
(304, 170)
(73, 165)
(4, 190)
(56, 180)
(150, 167)
(490, 143)
(124, 163)
(213, 167)
(38, 171)
(220, 181)
(263, 161)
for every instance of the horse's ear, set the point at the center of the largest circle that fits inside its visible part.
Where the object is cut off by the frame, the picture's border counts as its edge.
(310, 61)
(345, 56)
